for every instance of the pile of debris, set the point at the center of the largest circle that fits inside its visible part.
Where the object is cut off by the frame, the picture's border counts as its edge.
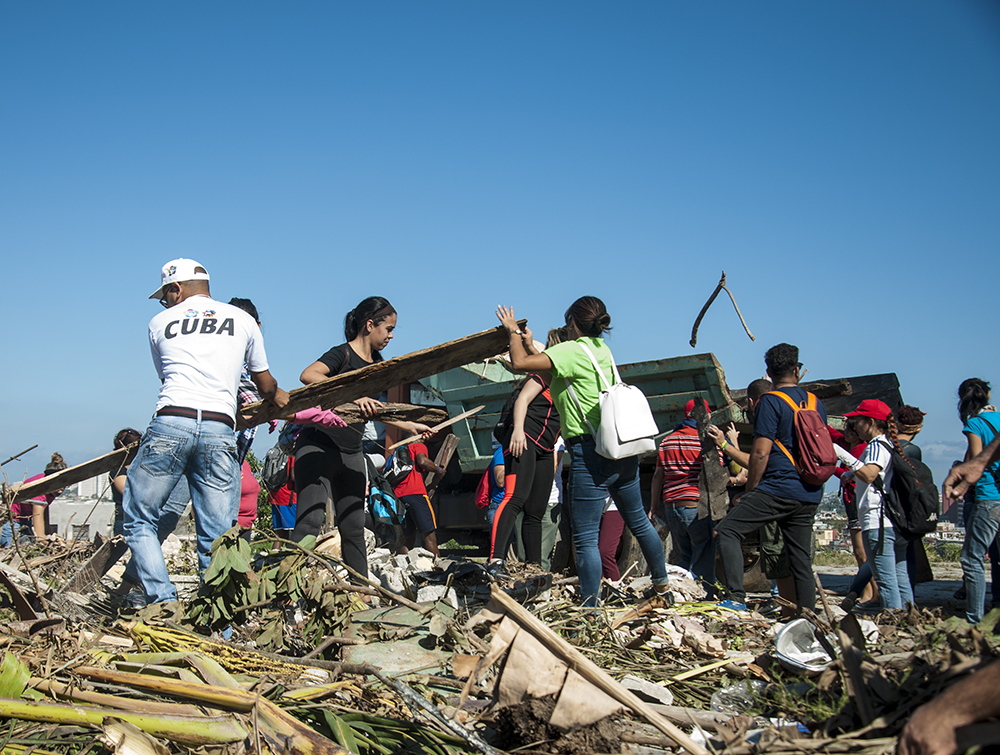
(284, 649)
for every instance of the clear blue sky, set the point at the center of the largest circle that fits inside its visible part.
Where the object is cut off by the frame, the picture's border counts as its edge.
(840, 161)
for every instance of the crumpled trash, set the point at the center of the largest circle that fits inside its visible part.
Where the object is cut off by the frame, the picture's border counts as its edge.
(798, 649)
(736, 698)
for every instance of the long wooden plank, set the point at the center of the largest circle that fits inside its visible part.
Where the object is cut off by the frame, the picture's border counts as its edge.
(590, 670)
(327, 394)
(381, 376)
(59, 480)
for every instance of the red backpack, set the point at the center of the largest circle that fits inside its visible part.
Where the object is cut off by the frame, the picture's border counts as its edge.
(817, 459)
(483, 489)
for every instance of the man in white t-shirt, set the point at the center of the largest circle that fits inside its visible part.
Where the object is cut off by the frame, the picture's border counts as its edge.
(199, 346)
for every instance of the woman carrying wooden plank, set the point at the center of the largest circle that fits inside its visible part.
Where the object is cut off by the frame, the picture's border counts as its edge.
(329, 462)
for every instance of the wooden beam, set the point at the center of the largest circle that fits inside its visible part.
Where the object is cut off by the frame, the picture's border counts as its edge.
(328, 393)
(431, 479)
(381, 376)
(59, 480)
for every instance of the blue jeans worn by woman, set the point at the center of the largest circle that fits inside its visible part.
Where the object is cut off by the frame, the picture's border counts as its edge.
(693, 537)
(984, 521)
(592, 478)
(204, 452)
(993, 552)
(889, 568)
(25, 533)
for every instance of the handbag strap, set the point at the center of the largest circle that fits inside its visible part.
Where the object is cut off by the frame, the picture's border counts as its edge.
(600, 372)
(572, 395)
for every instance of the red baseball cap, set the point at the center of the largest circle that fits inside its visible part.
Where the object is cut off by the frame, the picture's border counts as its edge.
(689, 408)
(873, 409)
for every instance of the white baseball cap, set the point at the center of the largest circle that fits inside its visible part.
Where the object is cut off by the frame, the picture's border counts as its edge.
(178, 271)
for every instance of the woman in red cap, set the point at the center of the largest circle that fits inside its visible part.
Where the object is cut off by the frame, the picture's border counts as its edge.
(874, 423)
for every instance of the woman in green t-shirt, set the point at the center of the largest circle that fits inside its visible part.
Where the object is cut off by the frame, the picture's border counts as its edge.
(592, 476)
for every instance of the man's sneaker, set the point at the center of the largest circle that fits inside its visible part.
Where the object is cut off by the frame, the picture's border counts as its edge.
(769, 610)
(496, 570)
(660, 591)
(732, 605)
(872, 606)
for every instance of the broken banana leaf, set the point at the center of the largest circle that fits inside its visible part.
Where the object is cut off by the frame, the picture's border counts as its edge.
(282, 731)
(193, 731)
(150, 707)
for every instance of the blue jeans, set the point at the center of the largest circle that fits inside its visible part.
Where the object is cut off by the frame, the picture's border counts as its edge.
(693, 537)
(889, 568)
(592, 477)
(171, 513)
(204, 452)
(984, 521)
(24, 532)
(993, 552)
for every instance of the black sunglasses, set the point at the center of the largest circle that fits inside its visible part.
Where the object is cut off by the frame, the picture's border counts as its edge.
(163, 298)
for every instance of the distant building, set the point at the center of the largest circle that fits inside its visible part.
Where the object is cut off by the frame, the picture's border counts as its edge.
(825, 537)
(95, 487)
(947, 532)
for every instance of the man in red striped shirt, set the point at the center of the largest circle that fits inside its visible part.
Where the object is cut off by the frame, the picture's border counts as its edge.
(674, 499)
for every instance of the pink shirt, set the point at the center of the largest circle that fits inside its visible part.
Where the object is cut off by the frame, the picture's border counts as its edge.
(22, 509)
(249, 490)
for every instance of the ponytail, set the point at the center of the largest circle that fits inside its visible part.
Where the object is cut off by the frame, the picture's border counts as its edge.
(893, 432)
(973, 396)
(587, 316)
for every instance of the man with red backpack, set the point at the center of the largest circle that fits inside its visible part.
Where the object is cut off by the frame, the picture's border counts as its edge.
(791, 458)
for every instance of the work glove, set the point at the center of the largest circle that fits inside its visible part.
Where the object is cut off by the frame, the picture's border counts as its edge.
(317, 416)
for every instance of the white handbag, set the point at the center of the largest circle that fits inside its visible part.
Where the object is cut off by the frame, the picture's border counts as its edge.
(627, 426)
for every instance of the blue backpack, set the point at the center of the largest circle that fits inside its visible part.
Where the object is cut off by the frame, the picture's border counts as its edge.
(383, 504)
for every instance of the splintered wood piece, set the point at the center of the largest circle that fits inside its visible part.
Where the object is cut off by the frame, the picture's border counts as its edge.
(103, 559)
(351, 413)
(442, 426)
(59, 480)
(432, 480)
(720, 287)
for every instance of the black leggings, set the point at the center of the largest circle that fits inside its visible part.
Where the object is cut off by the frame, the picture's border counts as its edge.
(324, 471)
(527, 486)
